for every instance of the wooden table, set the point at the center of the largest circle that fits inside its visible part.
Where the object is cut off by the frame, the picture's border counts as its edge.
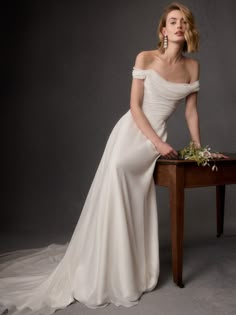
(180, 174)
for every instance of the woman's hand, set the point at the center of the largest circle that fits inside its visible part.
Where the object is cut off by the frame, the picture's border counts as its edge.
(166, 150)
(219, 156)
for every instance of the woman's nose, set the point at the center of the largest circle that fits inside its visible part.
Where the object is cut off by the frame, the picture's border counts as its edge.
(179, 25)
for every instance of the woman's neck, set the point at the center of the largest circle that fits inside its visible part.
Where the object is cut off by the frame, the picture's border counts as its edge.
(173, 54)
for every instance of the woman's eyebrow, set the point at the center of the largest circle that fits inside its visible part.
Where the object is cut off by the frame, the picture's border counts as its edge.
(174, 18)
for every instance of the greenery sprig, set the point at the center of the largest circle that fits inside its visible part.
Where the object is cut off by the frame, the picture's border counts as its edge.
(201, 155)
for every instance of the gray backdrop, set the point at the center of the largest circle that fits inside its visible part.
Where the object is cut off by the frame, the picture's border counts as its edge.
(66, 75)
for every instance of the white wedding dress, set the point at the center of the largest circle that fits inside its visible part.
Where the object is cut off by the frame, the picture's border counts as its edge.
(113, 255)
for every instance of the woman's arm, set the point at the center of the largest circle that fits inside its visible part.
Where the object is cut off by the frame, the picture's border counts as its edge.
(136, 100)
(191, 113)
(192, 118)
(193, 123)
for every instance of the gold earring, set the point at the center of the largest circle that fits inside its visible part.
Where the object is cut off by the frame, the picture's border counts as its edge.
(165, 44)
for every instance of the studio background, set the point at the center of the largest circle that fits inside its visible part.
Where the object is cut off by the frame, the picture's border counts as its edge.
(66, 73)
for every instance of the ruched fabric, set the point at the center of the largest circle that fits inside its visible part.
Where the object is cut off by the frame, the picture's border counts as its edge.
(138, 74)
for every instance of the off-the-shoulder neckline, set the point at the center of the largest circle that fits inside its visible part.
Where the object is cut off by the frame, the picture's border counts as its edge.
(161, 77)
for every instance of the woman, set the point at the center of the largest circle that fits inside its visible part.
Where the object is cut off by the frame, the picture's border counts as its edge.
(113, 255)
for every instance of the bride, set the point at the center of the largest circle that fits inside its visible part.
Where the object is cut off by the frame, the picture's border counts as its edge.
(113, 255)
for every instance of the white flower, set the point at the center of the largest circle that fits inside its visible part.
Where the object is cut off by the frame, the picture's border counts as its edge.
(214, 167)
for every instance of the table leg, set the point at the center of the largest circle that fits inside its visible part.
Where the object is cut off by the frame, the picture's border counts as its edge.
(220, 205)
(177, 222)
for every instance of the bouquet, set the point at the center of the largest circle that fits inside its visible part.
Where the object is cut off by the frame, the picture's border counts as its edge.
(201, 155)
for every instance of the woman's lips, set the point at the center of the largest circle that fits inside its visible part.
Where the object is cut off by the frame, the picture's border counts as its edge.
(179, 33)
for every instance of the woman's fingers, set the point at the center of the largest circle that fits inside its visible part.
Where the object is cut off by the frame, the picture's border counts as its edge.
(224, 156)
(172, 155)
(219, 156)
(167, 151)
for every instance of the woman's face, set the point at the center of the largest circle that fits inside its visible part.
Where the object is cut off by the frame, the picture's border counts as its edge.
(176, 26)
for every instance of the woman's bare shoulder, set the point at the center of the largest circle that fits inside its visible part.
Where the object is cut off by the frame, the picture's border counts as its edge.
(145, 58)
(193, 67)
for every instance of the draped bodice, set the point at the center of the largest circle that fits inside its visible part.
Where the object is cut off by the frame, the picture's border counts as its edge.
(161, 96)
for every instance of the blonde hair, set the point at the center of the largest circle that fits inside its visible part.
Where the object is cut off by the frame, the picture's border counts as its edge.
(191, 43)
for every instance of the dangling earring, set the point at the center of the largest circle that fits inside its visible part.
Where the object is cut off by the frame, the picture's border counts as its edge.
(165, 44)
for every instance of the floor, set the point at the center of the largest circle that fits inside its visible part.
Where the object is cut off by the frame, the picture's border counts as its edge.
(209, 277)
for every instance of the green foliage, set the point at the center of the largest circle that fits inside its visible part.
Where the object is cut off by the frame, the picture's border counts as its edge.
(201, 155)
